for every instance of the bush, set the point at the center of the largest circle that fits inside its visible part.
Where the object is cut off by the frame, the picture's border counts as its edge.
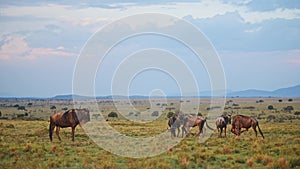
(113, 114)
(170, 114)
(288, 109)
(199, 114)
(290, 100)
(52, 107)
(271, 117)
(21, 108)
(270, 107)
(280, 100)
(155, 113)
(297, 113)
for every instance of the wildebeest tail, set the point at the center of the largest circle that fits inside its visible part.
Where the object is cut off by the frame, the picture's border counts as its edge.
(208, 125)
(50, 129)
(260, 131)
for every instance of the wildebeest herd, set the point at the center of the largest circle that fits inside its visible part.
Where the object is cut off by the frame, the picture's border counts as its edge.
(187, 121)
(73, 117)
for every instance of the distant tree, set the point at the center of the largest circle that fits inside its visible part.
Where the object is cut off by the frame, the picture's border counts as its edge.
(29, 104)
(280, 100)
(270, 107)
(290, 100)
(21, 108)
(52, 107)
(16, 105)
(113, 114)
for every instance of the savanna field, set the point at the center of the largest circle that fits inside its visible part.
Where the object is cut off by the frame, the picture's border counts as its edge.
(24, 138)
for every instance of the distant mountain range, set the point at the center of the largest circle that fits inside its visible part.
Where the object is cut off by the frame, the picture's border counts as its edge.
(282, 92)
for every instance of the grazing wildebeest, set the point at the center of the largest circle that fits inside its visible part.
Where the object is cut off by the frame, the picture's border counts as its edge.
(240, 121)
(221, 122)
(193, 121)
(70, 118)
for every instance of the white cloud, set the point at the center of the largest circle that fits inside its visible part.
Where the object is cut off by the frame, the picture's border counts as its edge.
(92, 15)
(257, 17)
(15, 47)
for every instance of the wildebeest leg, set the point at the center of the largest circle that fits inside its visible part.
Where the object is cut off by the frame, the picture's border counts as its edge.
(172, 129)
(254, 128)
(225, 130)
(73, 131)
(220, 133)
(57, 132)
(51, 129)
(178, 131)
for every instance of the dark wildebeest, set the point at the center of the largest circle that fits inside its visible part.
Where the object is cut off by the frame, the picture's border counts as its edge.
(70, 118)
(175, 121)
(240, 121)
(221, 122)
(193, 121)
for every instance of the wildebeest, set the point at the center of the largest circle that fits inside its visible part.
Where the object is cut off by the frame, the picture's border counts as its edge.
(71, 118)
(174, 122)
(193, 121)
(221, 122)
(240, 121)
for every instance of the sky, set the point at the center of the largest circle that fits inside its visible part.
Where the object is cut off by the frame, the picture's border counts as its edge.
(257, 42)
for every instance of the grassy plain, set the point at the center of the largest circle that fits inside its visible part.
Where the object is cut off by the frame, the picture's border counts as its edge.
(24, 141)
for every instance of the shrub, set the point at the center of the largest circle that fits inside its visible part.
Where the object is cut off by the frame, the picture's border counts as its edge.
(52, 107)
(21, 108)
(259, 101)
(170, 114)
(280, 100)
(288, 109)
(113, 114)
(270, 117)
(297, 113)
(199, 114)
(29, 104)
(270, 107)
(290, 100)
(155, 113)
(64, 108)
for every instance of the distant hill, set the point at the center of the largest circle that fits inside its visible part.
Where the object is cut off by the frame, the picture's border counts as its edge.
(283, 92)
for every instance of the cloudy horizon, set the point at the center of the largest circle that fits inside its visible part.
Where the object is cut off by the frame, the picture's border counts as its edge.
(258, 43)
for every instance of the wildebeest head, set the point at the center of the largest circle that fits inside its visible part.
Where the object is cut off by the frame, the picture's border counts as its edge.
(83, 115)
(234, 131)
(229, 118)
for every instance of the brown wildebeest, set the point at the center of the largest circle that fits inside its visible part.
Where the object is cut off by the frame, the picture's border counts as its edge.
(240, 121)
(193, 121)
(221, 122)
(70, 118)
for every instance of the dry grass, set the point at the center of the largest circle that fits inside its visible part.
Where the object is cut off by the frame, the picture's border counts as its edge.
(25, 144)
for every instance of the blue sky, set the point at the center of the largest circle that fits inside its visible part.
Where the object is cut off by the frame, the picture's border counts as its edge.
(258, 43)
